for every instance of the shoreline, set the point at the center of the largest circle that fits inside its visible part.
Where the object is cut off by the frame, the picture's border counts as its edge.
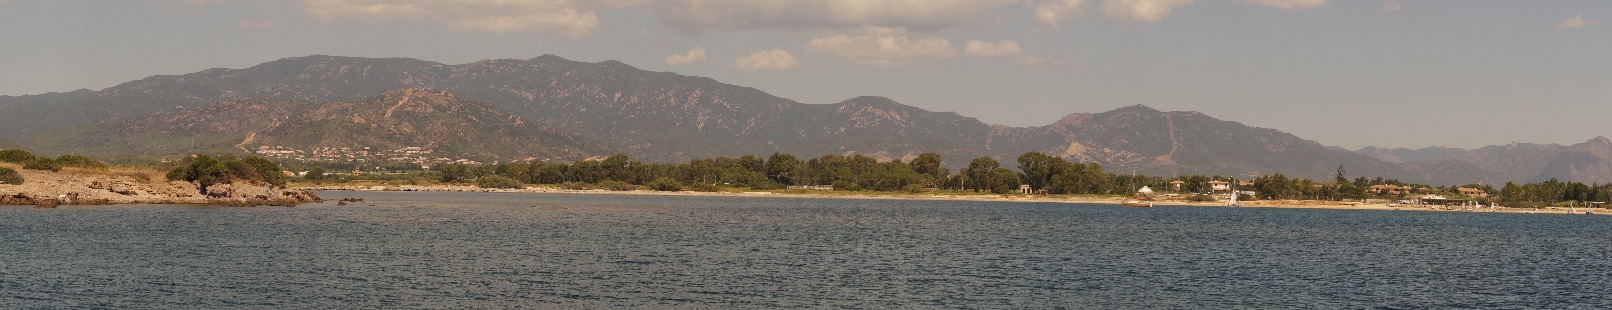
(1279, 204)
(73, 186)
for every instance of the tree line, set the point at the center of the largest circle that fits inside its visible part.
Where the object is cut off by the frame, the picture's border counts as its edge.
(1043, 173)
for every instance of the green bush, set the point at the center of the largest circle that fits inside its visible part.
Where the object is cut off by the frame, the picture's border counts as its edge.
(207, 170)
(80, 161)
(316, 174)
(494, 181)
(766, 186)
(267, 171)
(573, 185)
(665, 185)
(1200, 198)
(704, 187)
(43, 164)
(617, 186)
(16, 156)
(843, 185)
(10, 177)
(914, 188)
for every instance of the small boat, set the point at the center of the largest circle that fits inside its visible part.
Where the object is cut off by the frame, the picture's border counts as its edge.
(1137, 202)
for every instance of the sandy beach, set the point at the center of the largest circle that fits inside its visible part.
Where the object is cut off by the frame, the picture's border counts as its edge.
(1291, 204)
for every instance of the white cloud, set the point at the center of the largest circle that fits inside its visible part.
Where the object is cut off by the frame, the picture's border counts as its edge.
(887, 16)
(881, 50)
(1141, 10)
(775, 59)
(1575, 22)
(989, 49)
(565, 17)
(1393, 6)
(696, 55)
(257, 23)
(1050, 11)
(1286, 4)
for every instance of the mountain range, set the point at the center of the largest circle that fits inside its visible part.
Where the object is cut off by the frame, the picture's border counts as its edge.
(553, 108)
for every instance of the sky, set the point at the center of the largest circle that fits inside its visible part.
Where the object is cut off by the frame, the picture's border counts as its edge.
(1349, 73)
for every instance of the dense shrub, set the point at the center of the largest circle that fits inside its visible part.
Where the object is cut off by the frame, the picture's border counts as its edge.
(914, 188)
(207, 170)
(16, 156)
(1200, 198)
(766, 186)
(80, 161)
(665, 185)
(493, 181)
(617, 185)
(576, 186)
(43, 164)
(843, 185)
(10, 177)
(316, 174)
(704, 187)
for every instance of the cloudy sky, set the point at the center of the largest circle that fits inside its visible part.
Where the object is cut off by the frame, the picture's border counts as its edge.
(1391, 73)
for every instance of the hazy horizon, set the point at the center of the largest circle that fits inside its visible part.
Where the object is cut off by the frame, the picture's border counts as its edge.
(1389, 74)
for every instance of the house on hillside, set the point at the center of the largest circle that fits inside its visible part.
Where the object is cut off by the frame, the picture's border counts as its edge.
(1472, 192)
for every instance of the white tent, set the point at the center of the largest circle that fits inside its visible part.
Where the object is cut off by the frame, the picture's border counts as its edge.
(1144, 190)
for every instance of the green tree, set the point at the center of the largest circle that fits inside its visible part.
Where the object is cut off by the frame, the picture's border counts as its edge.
(454, 172)
(315, 174)
(1038, 169)
(981, 173)
(782, 168)
(929, 164)
(266, 171)
(1005, 181)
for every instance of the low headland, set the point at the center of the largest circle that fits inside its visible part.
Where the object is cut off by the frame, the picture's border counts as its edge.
(97, 184)
(946, 196)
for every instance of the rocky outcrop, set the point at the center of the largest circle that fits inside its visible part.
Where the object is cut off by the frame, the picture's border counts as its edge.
(248, 194)
(45, 188)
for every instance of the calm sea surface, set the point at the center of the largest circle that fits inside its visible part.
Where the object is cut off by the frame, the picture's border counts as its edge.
(481, 250)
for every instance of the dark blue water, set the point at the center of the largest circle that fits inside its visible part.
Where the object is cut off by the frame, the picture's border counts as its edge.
(478, 250)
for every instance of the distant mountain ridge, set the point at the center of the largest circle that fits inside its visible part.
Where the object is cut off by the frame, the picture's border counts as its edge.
(666, 117)
(394, 119)
(1588, 162)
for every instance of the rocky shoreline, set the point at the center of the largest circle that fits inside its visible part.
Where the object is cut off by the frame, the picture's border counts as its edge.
(50, 189)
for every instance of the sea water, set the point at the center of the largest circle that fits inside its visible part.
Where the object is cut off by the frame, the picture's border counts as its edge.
(499, 250)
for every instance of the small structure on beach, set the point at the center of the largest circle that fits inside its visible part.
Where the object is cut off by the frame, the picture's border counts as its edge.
(1218, 186)
(1432, 200)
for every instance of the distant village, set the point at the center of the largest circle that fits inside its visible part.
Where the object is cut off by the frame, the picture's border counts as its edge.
(412, 154)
